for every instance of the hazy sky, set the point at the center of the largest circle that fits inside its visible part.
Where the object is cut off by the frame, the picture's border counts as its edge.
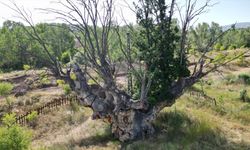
(225, 12)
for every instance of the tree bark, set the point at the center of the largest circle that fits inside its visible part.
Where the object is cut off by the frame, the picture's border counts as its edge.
(129, 119)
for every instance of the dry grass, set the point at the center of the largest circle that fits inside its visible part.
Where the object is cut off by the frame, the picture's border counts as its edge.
(192, 123)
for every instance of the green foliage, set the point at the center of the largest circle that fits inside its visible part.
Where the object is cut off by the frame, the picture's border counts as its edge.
(222, 48)
(243, 95)
(9, 119)
(65, 57)
(219, 58)
(60, 82)
(18, 49)
(237, 38)
(12, 136)
(66, 89)
(232, 47)
(217, 46)
(26, 67)
(33, 116)
(43, 78)
(5, 88)
(245, 78)
(158, 48)
(241, 61)
(72, 76)
(203, 34)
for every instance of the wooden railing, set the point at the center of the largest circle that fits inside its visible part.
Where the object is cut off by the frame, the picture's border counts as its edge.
(55, 103)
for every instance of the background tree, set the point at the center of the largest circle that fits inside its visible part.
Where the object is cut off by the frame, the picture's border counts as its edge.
(203, 34)
(17, 48)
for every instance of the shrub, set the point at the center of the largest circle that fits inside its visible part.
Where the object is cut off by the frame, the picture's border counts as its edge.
(222, 48)
(65, 57)
(26, 67)
(9, 119)
(12, 136)
(242, 47)
(5, 88)
(66, 89)
(60, 82)
(32, 118)
(232, 47)
(245, 78)
(241, 61)
(217, 46)
(72, 76)
(243, 95)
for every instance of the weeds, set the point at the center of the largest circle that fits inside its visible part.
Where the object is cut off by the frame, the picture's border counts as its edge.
(243, 95)
(244, 78)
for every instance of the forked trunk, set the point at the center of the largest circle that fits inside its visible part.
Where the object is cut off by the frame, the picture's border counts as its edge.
(129, 119)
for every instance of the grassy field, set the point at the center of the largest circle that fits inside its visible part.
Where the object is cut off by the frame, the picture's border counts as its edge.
(194, 122)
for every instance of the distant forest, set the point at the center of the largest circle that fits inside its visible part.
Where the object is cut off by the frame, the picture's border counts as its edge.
(18, 49)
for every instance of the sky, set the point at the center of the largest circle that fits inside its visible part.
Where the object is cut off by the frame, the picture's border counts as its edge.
(224, 12)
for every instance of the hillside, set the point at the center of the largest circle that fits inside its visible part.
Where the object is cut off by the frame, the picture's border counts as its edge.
(240, 25)
(210, 115)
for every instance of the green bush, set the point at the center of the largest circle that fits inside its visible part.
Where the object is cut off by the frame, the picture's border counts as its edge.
(32, 118)
(60, 82)
(245, 78)
(232, 47)
(222, 48)
(5, 88)
(12, 136)
(241, 61)
(65, 57)
(66, 89)
(242, 47)
(72, 76)
(26, 67)
(243, 95)
(217, 46)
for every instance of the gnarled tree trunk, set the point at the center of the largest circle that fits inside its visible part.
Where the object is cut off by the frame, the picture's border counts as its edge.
(129, 119)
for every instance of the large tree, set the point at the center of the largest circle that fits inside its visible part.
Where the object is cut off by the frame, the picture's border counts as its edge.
(163, 73)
